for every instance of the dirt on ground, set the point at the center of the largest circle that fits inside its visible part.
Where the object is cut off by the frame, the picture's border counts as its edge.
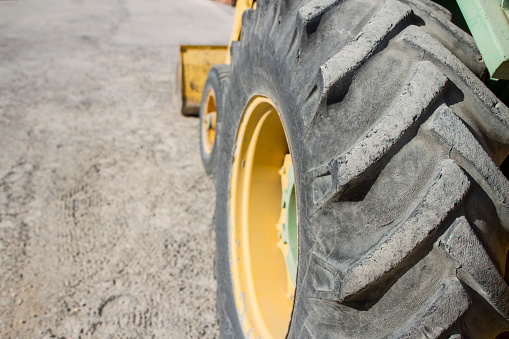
(105, 210)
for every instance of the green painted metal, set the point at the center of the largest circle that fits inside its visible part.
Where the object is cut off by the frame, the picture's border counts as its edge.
(488, 21)
(289, 228)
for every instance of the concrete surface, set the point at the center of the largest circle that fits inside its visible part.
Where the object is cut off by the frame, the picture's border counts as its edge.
(105, 210)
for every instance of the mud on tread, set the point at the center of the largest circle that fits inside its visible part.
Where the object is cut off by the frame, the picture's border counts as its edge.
(396, 145)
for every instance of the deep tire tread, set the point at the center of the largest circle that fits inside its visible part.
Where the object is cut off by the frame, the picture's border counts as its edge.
(422, 89)
(338, 296)
(335, 180)
(449, 35)
(444, 192)
(334, 74)
(439, 313)
(463, 246)
(449, 128)
(493, 117)
(310, 14)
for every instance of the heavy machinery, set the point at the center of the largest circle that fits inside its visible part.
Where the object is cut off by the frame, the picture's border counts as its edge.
(358, 149)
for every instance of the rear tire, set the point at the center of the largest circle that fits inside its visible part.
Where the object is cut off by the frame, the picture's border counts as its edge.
(211, 115)
(403, 213)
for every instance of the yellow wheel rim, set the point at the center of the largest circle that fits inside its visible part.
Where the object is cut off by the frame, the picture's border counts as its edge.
(208, 125)
(263, 289)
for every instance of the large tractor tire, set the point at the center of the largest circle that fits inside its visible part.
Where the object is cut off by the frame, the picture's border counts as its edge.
(360, 145)
(211, 115)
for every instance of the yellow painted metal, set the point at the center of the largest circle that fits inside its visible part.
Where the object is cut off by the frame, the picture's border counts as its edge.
(208, 126)
(195, 62)
(194, 65)
(259, 274)
(240, 7)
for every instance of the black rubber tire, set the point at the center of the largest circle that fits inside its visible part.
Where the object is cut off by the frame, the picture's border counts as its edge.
(403, 212)
(217, 80)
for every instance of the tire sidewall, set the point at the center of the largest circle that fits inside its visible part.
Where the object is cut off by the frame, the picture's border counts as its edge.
(259, 76)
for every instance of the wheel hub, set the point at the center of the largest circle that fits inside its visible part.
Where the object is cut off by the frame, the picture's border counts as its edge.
(262, 205)
(208, 128)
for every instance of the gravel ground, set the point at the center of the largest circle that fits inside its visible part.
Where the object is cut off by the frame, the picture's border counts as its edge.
(105, 210)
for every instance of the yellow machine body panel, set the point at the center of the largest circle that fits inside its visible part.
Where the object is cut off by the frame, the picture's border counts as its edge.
(194, 65)
(196, 61)
(240, 7)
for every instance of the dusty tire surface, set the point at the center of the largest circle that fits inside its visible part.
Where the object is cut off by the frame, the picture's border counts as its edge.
(396, 146)
(105, 211)
(217, 81)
